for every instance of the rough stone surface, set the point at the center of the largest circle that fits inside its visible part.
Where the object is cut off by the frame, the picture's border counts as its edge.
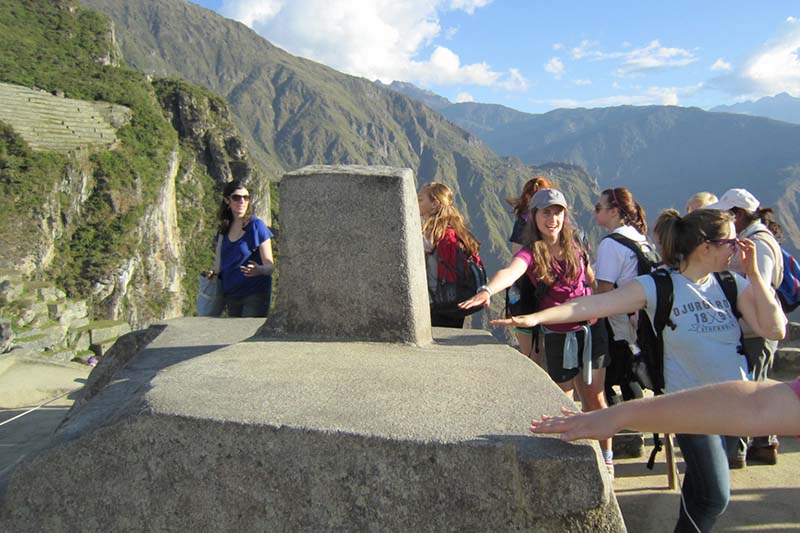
(288, 435)
(6, 335)
(9, 291)
(352, 263)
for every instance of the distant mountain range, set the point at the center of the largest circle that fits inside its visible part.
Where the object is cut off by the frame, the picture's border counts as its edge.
(299, 112)
(662, 153)
(782, 106)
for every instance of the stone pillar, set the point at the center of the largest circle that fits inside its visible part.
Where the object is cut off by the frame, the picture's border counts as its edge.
(351, 259)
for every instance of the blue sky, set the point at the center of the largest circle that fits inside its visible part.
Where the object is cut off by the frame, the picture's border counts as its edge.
(539, 55)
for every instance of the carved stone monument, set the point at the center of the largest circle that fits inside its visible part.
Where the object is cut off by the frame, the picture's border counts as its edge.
(203, 430)
(352, 264)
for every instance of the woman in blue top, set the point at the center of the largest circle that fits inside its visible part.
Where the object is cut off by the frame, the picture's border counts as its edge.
(246, 263)
(702, 347)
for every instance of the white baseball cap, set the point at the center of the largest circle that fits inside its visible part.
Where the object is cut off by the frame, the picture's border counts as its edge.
(740, 198)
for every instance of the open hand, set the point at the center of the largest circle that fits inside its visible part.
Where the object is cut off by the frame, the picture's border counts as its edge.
(573, 425)
(521, 321)
(481, 298)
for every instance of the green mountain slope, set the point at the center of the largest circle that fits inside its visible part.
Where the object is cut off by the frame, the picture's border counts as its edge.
(129, 227)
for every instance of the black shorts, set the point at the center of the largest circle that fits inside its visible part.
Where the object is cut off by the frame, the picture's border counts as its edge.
(554, 352)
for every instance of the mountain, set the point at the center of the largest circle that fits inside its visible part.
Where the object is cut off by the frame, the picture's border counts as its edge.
(782, 106)
(662, 153)
(429, 98)
(125, 221)
(298, 112)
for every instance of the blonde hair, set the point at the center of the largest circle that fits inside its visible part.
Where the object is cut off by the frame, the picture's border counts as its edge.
(699, 200)
(447, 216)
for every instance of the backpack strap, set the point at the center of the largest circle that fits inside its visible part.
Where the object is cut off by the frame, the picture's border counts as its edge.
(633, 246)
(777, 254)
(665, 298)
(731, 291)
(728, 284)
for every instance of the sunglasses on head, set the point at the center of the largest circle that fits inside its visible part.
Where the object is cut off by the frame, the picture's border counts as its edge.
(240, 197)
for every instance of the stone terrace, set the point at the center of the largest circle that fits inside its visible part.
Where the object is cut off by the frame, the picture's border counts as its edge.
(59, 124)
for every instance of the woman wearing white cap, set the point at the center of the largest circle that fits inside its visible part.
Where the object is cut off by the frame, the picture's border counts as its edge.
(755, 223)
(576, 351)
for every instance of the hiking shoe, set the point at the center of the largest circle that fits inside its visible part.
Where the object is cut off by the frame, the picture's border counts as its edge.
(610, 468)
(763, 454)
(736, 462)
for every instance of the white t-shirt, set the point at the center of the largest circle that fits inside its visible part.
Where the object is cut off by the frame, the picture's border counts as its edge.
(702, 349)
(616, 263)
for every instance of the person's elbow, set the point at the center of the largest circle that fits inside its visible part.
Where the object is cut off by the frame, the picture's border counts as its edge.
(777, 333)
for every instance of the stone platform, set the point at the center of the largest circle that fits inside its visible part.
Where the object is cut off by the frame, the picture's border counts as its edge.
(200, 431)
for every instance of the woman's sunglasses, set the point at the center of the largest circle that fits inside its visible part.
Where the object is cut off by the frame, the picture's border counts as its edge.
(733, 243)
(598, 207)
(240, 197)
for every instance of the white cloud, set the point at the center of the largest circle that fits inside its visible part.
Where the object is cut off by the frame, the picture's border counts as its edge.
(464, 97)
(468, 5)
(649, 57)
(721, 65)
(584, 50)
(449, 33)
(583, 82)
(514, 81)
(654, 56)
(773, 68)
(558, 46)
(650, 96)
(376, 39)
(555, 67)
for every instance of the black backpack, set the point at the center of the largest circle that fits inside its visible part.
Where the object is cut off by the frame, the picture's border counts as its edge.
(470, 275)
(522, 298)
(648, 366)
(647, 258)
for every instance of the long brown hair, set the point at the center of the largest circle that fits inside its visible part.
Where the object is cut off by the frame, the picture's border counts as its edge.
(679, 236)
(542, 260)
(632, 214)
(447, 216)
(763, 214)
(522, 203)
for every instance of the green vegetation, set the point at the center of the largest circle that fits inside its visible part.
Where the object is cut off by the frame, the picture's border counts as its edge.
(57, 47)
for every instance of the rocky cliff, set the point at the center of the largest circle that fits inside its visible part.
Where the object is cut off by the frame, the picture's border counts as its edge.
(130, 227)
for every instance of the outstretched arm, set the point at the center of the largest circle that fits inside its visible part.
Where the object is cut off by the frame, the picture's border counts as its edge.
(729, 408)
(504, 278)
(626, 299)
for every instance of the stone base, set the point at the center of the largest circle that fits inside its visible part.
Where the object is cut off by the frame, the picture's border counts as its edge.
(278, 435)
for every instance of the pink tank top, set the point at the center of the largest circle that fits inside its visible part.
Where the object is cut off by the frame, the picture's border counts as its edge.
(795, 385)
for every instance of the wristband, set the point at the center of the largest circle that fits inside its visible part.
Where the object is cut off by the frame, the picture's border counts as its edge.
(486, 289)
